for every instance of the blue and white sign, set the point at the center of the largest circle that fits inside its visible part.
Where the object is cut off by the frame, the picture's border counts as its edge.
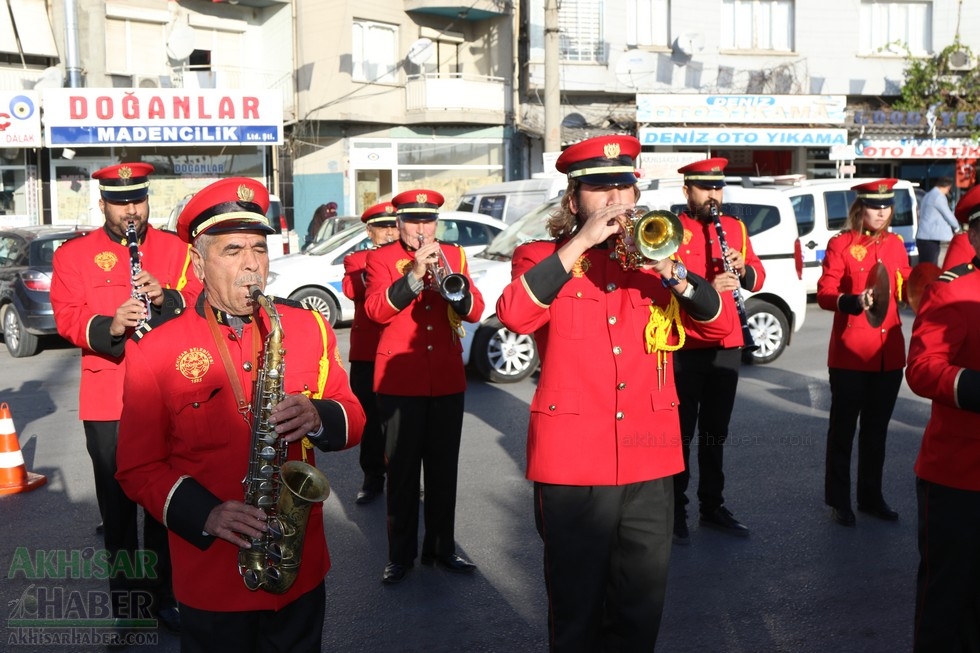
(741, 109)
(735, 137)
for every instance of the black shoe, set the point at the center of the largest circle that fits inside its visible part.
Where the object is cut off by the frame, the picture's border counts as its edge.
(682, 535)
(366, 496)
(170, 618)
(881, 511)
(721, 519)
(394, 573)
(843, 516)
(100, 529)
(451, 562)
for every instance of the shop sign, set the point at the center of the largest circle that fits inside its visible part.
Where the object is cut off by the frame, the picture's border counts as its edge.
(914, 148)
(80, 117)
(20, 119)
(963, 119)
(714, 136)
(741, 109)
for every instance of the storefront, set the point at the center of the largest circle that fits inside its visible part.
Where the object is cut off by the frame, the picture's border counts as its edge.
(20, 142)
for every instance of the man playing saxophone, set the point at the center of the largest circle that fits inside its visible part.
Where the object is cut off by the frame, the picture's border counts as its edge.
(188, 419)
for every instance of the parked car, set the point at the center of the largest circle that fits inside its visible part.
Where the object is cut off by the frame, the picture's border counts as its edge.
(315, 277)
(821, 206)
(280, 243)
(774, 313)
(332, 227)
(511, 200)
(26, 255)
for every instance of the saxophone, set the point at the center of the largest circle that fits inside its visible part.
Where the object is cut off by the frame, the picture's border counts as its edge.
(285, 490)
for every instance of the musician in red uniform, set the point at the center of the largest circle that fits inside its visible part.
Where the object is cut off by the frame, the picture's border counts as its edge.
(185, 438)
(420, 381)
(92, 294)
(379, 220)
(944, 366)
(960, 249)
(865, 361)
(604, 436)
(706, 370)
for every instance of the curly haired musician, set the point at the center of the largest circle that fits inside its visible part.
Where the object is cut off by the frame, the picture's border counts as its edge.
(186, 427)
(92, 294)
(604, 437)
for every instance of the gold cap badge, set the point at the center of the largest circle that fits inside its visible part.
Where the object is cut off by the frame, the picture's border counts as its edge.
(422, 198)
(611, 150)
(125, 172)
(245, 194)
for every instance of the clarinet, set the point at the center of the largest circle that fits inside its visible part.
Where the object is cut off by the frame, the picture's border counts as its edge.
(749, 341)
(135, 267)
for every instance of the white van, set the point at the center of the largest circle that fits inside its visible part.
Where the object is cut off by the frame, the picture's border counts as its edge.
(821, 207)
(511, 200)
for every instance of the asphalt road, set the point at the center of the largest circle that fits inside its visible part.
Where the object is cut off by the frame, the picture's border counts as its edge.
(799, 583)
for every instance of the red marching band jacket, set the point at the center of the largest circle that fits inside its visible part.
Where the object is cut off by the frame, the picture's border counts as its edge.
(605, 410)
(944, 366)
(854, 343)
(92, 277)
(700, 252)
(419, 353)
(184, 448)
(364, 333)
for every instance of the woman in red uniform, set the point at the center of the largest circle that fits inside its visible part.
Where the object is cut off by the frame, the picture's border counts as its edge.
(960, 250)
(865, 361)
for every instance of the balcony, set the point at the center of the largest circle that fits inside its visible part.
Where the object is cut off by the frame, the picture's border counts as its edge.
(454, 97)
(455, 9)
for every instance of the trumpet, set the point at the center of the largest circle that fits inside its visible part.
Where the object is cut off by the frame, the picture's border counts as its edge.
(451, 285)
(647, 237)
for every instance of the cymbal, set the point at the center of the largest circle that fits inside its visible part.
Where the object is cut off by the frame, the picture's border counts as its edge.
(921, 276)
(878, 283)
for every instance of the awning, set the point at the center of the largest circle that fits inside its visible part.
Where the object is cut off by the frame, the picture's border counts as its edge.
(31, 18)
(8, 40)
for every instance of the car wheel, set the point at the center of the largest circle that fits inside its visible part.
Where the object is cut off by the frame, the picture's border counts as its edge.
(20, 343)
(769, 328)
(319, 300)
(502, 356)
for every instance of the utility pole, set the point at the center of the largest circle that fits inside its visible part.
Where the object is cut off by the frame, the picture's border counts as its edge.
(552, 92)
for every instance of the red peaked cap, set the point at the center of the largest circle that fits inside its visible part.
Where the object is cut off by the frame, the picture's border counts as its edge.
(877, 193)
(384, 212)
(968, 208)
(601, 161)
(707, 173)
(124, 182)
(231, 204)
(331, 206)
(418, 204)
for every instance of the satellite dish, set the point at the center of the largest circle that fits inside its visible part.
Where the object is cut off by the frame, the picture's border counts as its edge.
(180, 43)
(689, 44)
(421, 52)
(50, 78)
(635, 68)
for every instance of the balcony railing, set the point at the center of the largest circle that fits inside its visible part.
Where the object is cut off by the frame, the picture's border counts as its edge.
(456, 92)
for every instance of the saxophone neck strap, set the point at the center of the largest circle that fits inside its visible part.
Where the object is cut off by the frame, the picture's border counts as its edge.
(222, 346)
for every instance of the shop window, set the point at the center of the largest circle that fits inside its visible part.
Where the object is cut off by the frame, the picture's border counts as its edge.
(374, 53)
(580, 24)
(648, 23)
(757, 25)
(893, 27)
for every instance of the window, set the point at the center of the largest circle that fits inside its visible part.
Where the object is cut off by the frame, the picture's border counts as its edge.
(757, 25)
(648, 23)
(895, 26)
(374, 53)
(133, 47)
(581, 31)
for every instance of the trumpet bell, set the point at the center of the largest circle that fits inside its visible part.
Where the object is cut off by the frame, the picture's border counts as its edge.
(657, 234)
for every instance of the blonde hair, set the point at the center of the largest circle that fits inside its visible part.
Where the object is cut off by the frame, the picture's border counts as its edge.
(855, 217)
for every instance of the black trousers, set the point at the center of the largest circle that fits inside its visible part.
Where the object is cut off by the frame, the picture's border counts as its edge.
(372, 455)
(947, 601)
(928, 250)
(870, 397)
(707, 380)
(421, 432)
(606, 551)
(297, 628)
(120, 519)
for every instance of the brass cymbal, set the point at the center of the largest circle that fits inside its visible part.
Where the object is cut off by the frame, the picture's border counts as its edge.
(878, 283)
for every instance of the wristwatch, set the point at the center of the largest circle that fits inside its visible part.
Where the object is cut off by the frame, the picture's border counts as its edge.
(677, 273)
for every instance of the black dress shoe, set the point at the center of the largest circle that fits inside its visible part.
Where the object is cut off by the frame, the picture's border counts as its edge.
(394, 573)
(451, 562)
(170, 618)
(366, 496)
(721, 519)
(881, 511)
(843, 516)
(100, 529)
(682, 535)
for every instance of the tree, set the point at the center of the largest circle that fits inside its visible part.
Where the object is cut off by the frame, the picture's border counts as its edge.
(941, 82)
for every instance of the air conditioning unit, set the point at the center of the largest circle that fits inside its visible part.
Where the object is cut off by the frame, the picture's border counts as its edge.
(146, 81)
(961, 60)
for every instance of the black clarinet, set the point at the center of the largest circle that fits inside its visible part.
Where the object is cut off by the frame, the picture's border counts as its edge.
(737, 294)
(135, 267)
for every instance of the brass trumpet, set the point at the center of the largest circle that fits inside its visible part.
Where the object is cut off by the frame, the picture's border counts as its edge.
(451, 285)
(647, 237)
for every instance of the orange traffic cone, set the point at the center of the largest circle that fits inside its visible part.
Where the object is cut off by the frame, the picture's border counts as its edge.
(14, 477)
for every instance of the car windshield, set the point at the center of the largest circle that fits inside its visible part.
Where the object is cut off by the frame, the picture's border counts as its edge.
(324, 246)
(533, 226)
